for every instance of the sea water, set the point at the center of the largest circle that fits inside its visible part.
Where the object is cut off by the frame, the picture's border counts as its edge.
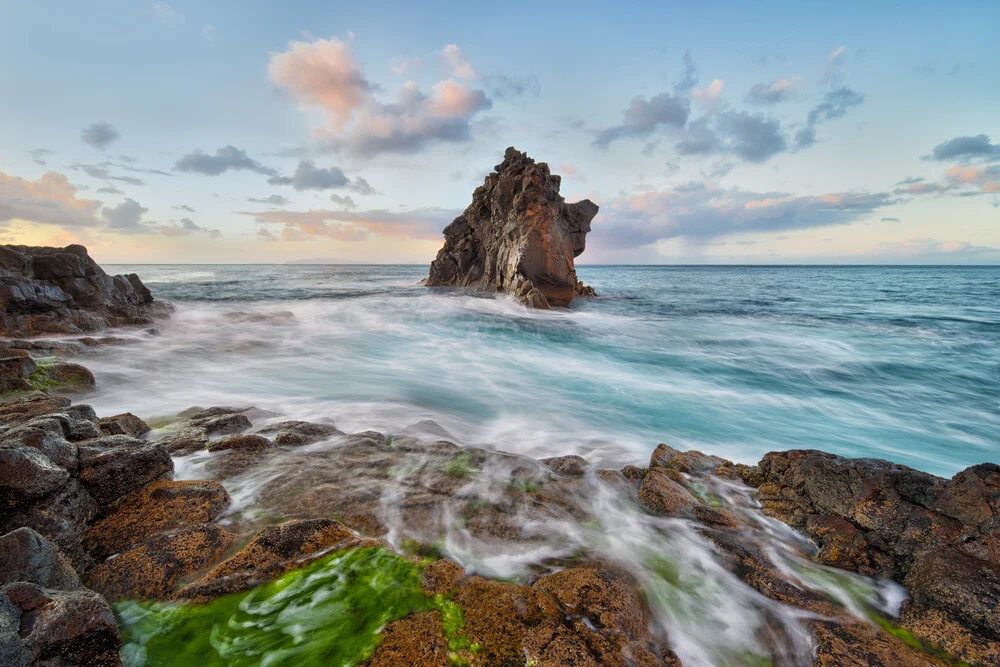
(900, 363)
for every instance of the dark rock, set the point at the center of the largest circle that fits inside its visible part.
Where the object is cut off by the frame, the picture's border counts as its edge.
(20, 410)
(244, 442)
(68, 378)
(27, 475)
(63, 291)
(123, 424)
(298, 433)
(27, 556)
(15, 367)
(517, 236)
(71, 628)
(61, 517)
(223, 424)
(187, 441)
(52, 444)
(112, 474)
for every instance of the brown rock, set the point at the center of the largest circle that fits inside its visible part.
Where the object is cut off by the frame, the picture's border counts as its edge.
(160, 507)
(851, 644)
(187, 441)
(663, 494)
(572, 465)
(298, 433)
(15, 367)
(272, 552)
(153, 569)
(416, 641)
(517, 236)
(244, 442)
(112, 474)
(27, 475)
(441, 576)
(123, 424)
(67, 378)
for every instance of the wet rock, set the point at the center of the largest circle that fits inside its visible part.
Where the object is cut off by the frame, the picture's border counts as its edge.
(852, 644)
(123, 424)
(27, 556)
(61, 517)
(154, 568)
(49, 442)
(63, 291)
(272, 552)
(517, 236)
(71, 628)
(112, 474)
(188, 441)
(417, 641)
(662, 493)
(18, 410)
(572, 465)
(66, 378)
(27, 475)
(441, 576)
(298, 433)
(157, 508)
(15, 368)
(245, 442)
(222, 424)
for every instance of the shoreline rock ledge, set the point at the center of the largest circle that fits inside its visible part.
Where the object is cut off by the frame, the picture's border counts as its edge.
(46, 290)
(517, 236)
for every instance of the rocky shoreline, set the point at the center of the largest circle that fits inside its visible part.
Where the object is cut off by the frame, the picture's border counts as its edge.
(105, 555)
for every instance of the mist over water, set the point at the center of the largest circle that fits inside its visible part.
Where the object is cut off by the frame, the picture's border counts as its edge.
(894, 362)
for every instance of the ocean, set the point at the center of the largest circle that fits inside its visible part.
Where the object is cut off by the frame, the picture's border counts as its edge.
(900, 363)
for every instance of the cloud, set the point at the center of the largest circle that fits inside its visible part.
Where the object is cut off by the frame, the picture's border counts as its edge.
(689, 79)
(265, 234)
(323, 73)
(110, 190)
(643, 117)
(961, 180)
(273, 200)
(184, 207)
(97, 171)
(834, 62)
(890, 220)
(835, 104)
(709, 95)
(362, 187)
(505, 87)
(186, 227)
(225, 158)
(344, 202)
(753, 137)
(699, 211)
(208, 32)
(422, 223)
(51, 199)
(126, 218)
(308, 176)
(934, 248)
(99, 135)
(38, 155)
(978, 147)
(403, 65)
(458, 65)
(166, 12)
(779, 90)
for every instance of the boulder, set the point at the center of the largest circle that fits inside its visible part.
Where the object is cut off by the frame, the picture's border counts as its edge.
(27, 475)
(298, 433)
(63, 291)
(72, 628)
(61, 517)
(243, 442)
(123, 424)
(15, 368)
(517, 236)
(112, 474)
(27, 556)
(661, 493)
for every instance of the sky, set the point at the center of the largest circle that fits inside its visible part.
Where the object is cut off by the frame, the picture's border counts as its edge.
(307, 131)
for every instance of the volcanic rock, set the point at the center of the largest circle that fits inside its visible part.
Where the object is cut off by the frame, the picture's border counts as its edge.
(517, 236)
(64, 291)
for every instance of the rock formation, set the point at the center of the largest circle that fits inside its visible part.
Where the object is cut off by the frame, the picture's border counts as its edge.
(517, 236)
(64, 291)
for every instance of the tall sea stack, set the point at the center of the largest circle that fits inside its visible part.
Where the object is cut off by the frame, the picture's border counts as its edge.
(517, 236)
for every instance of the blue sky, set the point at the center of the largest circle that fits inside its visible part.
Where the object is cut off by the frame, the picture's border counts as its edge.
(707, 132)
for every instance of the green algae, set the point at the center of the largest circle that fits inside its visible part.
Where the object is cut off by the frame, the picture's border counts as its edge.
(460, 466)
(41, 379)
(329, 613)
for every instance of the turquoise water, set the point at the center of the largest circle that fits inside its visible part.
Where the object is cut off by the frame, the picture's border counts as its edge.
(893, 362)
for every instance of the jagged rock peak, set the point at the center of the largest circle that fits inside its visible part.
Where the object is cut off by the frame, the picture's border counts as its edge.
(517, 236)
